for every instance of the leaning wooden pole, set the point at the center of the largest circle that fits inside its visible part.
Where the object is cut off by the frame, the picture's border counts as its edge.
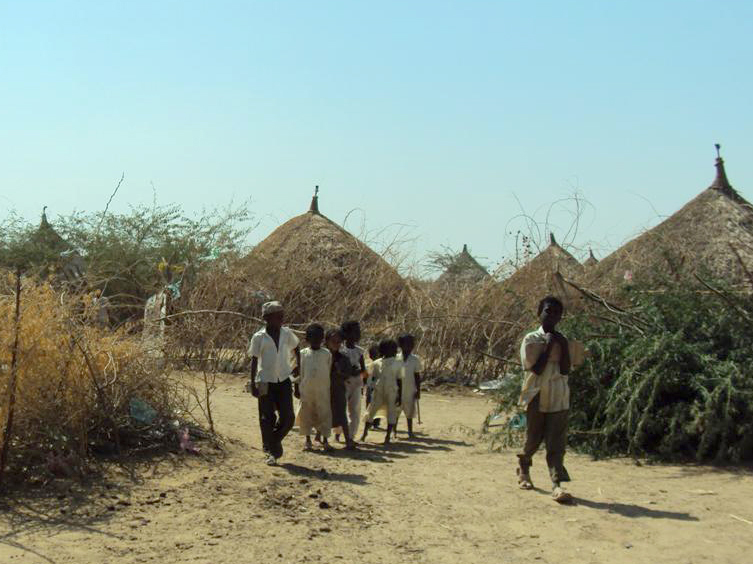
(12, 381)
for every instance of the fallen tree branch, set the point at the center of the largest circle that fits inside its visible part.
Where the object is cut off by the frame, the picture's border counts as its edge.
(500, 359)
(594, 297)
(740, 311)
(209, 311)
(223, 312)
(440, 317)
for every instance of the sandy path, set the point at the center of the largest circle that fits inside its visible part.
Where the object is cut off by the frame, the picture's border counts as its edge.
(441, 499)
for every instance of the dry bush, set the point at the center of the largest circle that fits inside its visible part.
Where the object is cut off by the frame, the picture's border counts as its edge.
(458, 325)
(470, 331)
(75, 381)
(321, 273)
(457, 329)
(228, 285)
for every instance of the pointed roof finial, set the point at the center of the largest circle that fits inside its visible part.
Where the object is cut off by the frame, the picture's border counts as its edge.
(552, 240)
(720, 182)
(465, 249)
(315, 201)
(591, 260)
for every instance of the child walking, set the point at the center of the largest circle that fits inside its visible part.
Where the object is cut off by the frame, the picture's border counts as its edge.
(410, 375)
(545, 354)
(339, 373)
(351, 331)
(272, 349)
(387, 388)
(313, 389)
(370, 382)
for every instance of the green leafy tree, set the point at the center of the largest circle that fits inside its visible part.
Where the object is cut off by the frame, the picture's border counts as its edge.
(129, 256)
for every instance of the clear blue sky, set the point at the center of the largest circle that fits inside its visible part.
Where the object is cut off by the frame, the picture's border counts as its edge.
(432, 114)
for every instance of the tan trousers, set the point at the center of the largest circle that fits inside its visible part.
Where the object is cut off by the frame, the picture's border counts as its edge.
(551, 429)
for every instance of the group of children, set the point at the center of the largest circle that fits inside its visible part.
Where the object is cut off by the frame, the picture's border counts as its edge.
(330, 377)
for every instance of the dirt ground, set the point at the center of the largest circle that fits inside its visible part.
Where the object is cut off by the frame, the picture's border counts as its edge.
(443, 498)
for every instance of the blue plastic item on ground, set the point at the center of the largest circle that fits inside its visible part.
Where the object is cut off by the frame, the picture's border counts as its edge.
(518, 422)
(141, 412)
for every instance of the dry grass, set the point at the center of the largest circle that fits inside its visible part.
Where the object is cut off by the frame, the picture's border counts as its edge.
(75, 381)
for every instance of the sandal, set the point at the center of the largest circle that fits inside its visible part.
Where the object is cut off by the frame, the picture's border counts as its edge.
(561, 496)
(524, 480)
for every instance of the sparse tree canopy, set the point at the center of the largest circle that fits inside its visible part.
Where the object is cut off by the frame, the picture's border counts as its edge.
(129, 255)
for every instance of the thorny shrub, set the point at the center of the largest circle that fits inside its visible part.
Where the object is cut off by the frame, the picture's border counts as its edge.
(669, 377)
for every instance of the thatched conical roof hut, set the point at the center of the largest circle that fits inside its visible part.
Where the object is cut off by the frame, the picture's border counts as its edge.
(538, 278)
(591, 261)
(516, 297)
(463, 268)
(712, 233)
(49, 249)
(320, 270)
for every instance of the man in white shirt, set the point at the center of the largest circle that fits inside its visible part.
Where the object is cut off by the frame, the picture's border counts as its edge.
(272, 349)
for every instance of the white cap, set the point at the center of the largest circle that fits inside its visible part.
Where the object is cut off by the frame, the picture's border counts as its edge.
(271, 307)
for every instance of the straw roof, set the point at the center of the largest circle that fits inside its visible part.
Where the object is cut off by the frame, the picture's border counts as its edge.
(463, 268)
(311, 260)
(46, 236)
(591, 260)
(57, 252)
(706, 235)
(538, 278)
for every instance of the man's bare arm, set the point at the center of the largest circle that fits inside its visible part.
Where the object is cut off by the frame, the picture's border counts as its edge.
(565, 363)
(297, 369)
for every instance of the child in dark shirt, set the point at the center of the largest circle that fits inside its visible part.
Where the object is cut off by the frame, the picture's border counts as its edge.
(341, 371)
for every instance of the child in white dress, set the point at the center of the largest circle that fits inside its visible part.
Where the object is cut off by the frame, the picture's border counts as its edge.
(351, 331)
(387, 389)
(370, 383)
(410, 374)
(313, 388)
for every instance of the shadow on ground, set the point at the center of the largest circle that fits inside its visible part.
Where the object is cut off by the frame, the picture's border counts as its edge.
(633, 511)
(322, 474)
